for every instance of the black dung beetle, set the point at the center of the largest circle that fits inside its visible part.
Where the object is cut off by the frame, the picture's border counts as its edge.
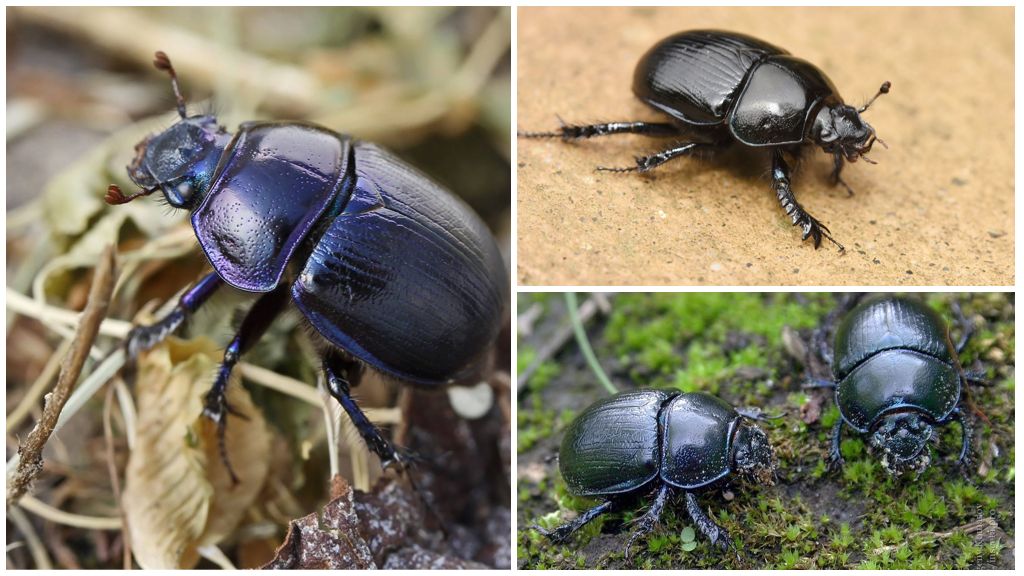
(390, 269)
(634, 443)
(721, 88)
(897, 376)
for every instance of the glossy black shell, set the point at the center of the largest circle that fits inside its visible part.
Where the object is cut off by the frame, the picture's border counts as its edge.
(614, 446)
(697, 444)
(764, 96)
(391, 267)
(894, 353)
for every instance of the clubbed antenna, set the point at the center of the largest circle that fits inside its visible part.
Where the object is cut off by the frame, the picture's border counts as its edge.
(115, 196)
(883, 90)
(162, 62)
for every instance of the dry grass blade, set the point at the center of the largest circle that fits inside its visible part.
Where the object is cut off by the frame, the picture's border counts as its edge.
(58, 516)
(35, 391)
(31, 461)
(115, 477)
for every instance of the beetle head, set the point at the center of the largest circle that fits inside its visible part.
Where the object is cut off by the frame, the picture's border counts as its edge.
(841, 131)
(903, 437)
(179, 161)
(753, 455)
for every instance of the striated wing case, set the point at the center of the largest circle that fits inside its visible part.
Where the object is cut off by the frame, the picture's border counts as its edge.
(695, 76)
(406, 278)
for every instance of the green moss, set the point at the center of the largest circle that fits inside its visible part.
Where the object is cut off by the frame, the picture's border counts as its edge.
(731, 345)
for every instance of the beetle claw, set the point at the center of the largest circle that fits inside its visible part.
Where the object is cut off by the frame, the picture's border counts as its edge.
(835, 463)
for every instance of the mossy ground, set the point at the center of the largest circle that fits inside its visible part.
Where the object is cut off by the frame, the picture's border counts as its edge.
(732, 345)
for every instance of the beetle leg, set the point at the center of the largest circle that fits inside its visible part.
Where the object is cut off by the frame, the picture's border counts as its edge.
(563, 532)
(255, 323)
(647, 522)
(755, 413)
(837, 168)
(819, 383)
(977, 378)
(580, 131)
(966, 436)
(715, 533)
(142, 338)
(835, 456)
(811, 226)
(966, 326)
(337, 373)
(648, 163)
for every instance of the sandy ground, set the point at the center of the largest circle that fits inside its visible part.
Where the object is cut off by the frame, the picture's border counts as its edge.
(937, 209)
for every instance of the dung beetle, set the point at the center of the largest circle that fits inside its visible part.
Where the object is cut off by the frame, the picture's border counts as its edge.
(391, 270)
(897, 376)
(720, 88)
(636, 443)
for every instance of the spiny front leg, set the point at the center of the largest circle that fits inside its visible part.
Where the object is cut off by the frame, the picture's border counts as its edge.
(715, 533)
(811, 226)
(580, 131)
(966, 437)
(837, 168)
(142, 338)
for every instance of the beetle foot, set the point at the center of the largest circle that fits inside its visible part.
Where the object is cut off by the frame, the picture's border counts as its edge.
(142, 338)
(964, 466)
(813, 228)
(835, 463)
(619, 170)
(558, 535)
(216, 407)
(837, 180)
(724, 542)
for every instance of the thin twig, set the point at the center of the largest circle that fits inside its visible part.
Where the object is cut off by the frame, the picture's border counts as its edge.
(82, 394)
(31, 463)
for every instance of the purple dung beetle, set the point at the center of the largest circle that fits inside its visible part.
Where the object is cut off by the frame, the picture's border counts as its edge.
(391, 270)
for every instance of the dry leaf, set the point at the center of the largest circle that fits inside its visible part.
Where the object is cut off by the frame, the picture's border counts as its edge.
(178, 494)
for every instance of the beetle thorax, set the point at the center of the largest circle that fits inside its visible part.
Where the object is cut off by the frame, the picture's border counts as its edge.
(181, 160)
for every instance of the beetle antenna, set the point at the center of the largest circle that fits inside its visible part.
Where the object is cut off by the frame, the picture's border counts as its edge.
(883, 90)
(115, 196)
(162, 62)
